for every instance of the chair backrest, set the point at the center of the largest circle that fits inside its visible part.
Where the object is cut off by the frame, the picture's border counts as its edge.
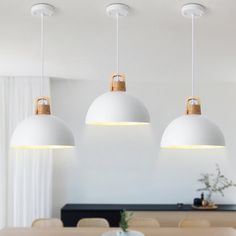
(93, 222)
(143, 222)
(188, 223)
(47, 223)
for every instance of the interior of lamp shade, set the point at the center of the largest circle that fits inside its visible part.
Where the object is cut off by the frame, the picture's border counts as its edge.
(125, 123)
(193, 147)
(42, 146)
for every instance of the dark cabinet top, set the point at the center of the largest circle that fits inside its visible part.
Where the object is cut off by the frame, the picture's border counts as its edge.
(140, 207)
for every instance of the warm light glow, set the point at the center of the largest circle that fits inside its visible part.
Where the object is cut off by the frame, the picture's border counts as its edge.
(117, 123)
(193, 147)
(42, 146)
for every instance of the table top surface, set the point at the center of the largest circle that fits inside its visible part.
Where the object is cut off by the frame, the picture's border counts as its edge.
(216, 231)
(141, 207)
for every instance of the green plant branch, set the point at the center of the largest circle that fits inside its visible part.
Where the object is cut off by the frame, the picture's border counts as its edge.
(125, 217)
(215, 183)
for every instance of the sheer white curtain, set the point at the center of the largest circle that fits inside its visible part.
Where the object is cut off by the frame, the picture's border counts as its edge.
(3, 155)
(25, 175)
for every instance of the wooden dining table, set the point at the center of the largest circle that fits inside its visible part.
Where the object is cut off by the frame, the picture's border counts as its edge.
(212, 231)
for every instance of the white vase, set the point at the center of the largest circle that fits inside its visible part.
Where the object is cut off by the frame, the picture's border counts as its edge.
(121, 233)
(129, 233)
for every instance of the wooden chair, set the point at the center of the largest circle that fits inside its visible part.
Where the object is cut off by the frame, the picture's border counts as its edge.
(194, 223)
(47, 223)
(143, 222)
(93, 222)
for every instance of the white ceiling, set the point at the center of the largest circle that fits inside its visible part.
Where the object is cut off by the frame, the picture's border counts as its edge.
(154, 45)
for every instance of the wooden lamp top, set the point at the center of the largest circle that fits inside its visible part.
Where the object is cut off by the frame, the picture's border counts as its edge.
(193, 106)
(118, 83)
(42, 106)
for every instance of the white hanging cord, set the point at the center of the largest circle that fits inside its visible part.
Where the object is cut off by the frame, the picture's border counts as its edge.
(193, 58)
(117, 44)
(42, 54)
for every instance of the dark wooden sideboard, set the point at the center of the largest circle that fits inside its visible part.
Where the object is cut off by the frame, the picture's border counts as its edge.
(168, 215)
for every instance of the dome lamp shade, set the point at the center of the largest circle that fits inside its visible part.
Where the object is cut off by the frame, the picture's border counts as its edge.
(117, 107)
(42, 130)
(192, 130)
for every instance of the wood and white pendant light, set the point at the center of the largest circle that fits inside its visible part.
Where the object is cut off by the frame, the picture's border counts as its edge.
(117, 107)
(42, 130)
(192, 130)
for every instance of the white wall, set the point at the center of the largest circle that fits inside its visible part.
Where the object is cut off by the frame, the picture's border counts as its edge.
(124, 164)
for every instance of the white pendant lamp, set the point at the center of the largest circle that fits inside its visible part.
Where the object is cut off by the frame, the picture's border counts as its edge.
(192, 130)
(42, 130)
(117, 107)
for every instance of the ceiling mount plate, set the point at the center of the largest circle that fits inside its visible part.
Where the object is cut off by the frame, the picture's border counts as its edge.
(193, 9)
(42, 9)
(119, 9)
